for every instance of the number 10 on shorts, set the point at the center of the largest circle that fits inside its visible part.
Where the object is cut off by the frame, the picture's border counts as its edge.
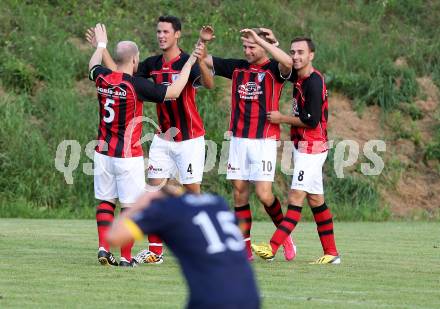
(267, 165)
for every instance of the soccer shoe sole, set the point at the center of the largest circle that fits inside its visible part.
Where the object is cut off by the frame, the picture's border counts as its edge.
(321, 261)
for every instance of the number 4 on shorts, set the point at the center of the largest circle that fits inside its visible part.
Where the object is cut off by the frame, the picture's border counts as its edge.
(190, 170)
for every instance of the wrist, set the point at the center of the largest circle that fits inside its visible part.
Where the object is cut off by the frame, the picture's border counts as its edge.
(102, 45)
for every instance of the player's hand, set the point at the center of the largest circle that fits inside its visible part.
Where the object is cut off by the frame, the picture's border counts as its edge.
(90, 37)
(200, 51)
(274, 117)
(206, 34)
(249, 34)
(270, 36)
(100, 33)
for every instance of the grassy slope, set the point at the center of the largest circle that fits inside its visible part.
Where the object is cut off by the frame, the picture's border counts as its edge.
(43, 70)
(52, 263)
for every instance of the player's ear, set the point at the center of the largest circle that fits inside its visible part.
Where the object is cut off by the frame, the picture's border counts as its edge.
(177, 34)
(311, 56)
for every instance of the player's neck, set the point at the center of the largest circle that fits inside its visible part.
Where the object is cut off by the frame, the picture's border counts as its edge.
(171, 53)
(127, 69)
(261, 61)
(305, 71)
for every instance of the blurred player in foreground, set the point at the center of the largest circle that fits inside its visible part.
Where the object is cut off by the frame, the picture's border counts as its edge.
(203, 235)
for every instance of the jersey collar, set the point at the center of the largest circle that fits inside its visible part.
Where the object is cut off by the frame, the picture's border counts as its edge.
(170, 63)
(257, 66)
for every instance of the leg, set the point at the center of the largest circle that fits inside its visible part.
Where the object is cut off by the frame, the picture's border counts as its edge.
(126, 249)
(243, 211)
(105, 191)
(160, 168)
(155, 244)
(263, 190)
(105, 213)
(324, 223)
(291, 219)
(193, 187)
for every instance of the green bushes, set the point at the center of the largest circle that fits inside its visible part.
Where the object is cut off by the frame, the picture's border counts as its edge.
(45, 99)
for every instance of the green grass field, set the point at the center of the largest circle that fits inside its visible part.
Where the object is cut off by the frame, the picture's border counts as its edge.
(52, 263)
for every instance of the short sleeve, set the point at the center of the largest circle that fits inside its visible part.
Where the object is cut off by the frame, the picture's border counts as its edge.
(146, 90)
(275, 69)
(225, 67)
(143, 69)
(194, 75)
(293, 76)
(97, 70)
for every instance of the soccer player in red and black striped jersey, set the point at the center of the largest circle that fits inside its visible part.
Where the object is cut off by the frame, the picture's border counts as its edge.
(309, 135)
(119, 162)
(180, 148)
(257, 82)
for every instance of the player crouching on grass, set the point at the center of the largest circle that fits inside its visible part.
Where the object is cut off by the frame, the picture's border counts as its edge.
(203, 234)
(119, 163)
(309, 136)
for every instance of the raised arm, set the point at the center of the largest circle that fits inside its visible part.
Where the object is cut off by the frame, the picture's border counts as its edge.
(206, 35)
(284, 60)
(106, 57)
(101, 39)
(174, 90)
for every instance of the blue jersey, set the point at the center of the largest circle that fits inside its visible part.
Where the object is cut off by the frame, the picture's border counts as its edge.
(204, 236)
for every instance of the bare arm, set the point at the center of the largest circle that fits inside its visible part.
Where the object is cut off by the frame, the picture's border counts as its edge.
(176, 88)
(106, 57)
(277, 117)
(285, 61)
(206, 75)
(101, 39)
(206, 35)
(208, 61)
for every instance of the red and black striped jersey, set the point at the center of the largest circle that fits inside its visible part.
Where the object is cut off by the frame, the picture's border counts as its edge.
(182, 112)
(256, 90)
(310, 104)
(120, 98)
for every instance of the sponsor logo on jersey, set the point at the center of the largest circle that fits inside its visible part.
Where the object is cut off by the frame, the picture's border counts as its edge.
(249, 91)
(115, 91)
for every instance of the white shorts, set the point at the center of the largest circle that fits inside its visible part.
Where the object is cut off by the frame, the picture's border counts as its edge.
(182, 160)
(252, 159)
(121, 178)
(307, 171)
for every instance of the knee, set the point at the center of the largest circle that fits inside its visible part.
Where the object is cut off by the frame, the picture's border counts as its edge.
(241, 196)
(265, 195)
(296, 197)
(315, 200)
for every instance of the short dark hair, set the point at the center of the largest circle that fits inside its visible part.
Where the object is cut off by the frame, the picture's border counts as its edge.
(173, 20)
(307, 40)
